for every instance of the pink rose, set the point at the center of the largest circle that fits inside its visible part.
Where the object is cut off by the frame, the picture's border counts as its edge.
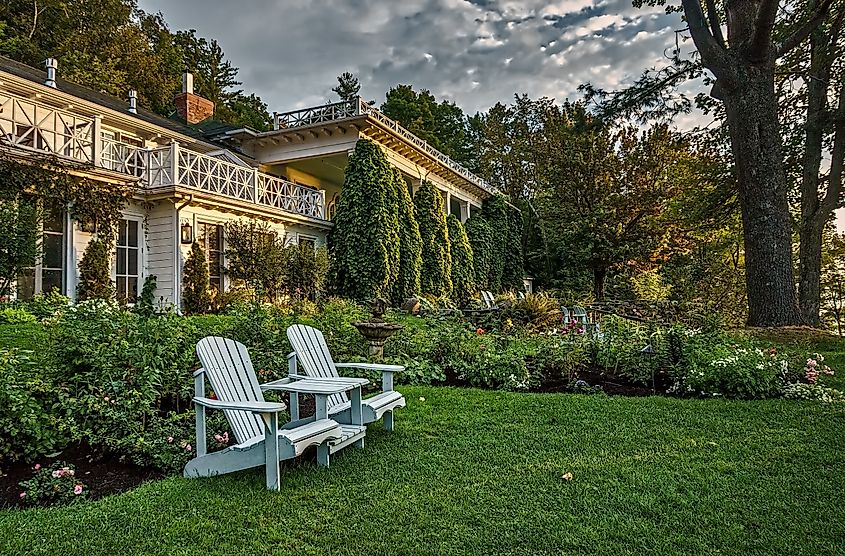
(55, 474)
(77, 490)
(188, 447)
(37, 466)
(22, 495)
(170, 440)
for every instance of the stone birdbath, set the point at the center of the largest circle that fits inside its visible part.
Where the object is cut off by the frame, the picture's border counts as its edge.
(376, 330)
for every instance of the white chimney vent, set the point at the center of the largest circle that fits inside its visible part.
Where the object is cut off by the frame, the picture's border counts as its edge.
(188, 82)
(52, 66)
(133, 101)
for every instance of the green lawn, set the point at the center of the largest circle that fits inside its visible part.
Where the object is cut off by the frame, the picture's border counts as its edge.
(475, 472)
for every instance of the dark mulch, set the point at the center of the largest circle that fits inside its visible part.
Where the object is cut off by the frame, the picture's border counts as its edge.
(102, 477)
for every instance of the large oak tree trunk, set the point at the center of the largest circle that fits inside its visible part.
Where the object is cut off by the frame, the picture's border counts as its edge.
(599, 274)
(810, 255)
(751, 108)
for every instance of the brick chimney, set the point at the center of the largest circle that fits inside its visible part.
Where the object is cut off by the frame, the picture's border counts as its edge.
(190, 107)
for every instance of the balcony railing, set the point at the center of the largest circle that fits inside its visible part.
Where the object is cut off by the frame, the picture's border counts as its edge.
(359, 107)
(37, 127)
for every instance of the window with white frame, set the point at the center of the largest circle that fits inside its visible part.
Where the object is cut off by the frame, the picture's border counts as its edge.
(210, 238)
(309, 241)
(48, 273)
(128, 260)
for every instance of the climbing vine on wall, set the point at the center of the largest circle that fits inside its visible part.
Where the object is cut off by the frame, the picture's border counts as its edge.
(436, 270)
(463, 269)
(364, 255)
(410, 244)
(51, 179)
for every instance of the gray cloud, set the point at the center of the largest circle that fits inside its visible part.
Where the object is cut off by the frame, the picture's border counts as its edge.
(475, 52)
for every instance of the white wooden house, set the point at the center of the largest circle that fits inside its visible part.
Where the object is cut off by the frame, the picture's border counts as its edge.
(193, 176)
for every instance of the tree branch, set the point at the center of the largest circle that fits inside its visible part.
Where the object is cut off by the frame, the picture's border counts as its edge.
(761, 40)
(803, 32)
(713, 56)
(833, 194)
(715, 23)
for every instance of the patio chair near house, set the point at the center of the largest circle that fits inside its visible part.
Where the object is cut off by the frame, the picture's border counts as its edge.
(312, 353)
(489, 300)
(580, 314)
(261, 436)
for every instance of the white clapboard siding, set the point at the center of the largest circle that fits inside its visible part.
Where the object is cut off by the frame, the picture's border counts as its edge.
(161, 245)
(229, 370)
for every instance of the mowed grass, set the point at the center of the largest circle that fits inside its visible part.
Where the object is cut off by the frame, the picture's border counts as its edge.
(480, 472)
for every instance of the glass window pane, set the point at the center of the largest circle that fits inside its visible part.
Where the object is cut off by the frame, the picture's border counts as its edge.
(131, 289)
(53, 219)
(50, 280)
(121, 260)
(133, 233)
(455, 206)
(121, 234)
(26, 284)
(215, 283)
(132, 255)
(121, 288)
(52, 247)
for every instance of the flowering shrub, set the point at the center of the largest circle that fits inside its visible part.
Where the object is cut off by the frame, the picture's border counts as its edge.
(814, 367)
(734, 372)
(801, 391)
(30, 425)
(54, 484)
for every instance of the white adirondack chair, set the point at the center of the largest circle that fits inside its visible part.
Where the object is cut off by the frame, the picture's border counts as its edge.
(489, 300)
(254, 421)
(310, 351)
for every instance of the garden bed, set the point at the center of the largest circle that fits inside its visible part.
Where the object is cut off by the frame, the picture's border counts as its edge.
(102, 477)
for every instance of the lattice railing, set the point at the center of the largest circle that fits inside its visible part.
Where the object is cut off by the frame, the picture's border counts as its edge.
(359, 107)
(35, 126)
(215, 176)
(38, 127)
(123, 157)
(317, 114)
(282, 194)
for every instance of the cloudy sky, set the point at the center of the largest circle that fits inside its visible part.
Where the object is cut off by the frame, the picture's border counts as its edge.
(475, 52)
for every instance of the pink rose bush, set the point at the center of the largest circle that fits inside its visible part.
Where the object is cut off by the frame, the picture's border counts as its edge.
(52, 484)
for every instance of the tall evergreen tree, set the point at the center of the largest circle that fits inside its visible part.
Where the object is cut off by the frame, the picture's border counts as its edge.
(348, 86)
(364, 255)
(410, 243)
(463, 269)
(436, 272)
(94, 272)
(196, 286)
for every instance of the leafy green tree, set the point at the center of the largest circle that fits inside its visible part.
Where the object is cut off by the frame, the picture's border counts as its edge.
(410, 243)
(255, 257)
(347, 87)
(442, 124)
(463, 270)
(306, 271)
(365, 248)
(196, 285)
(436, 270)
(19, 246)
(748, 72)
(95, 272)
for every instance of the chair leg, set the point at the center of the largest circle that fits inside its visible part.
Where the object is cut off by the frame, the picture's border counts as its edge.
(271, 452)
(388, 421)
(323, 455)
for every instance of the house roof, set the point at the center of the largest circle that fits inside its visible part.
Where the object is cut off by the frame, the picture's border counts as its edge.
(103, 99)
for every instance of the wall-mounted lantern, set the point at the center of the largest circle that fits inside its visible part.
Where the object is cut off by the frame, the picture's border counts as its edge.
(187, 233)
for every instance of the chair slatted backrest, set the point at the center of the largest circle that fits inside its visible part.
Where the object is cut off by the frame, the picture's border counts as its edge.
(229, 370)
(488, 298)
(565, 312)
(579, 314)
(313, 354)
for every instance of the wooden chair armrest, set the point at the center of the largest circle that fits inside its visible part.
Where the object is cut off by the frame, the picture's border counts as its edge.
(254, 407)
